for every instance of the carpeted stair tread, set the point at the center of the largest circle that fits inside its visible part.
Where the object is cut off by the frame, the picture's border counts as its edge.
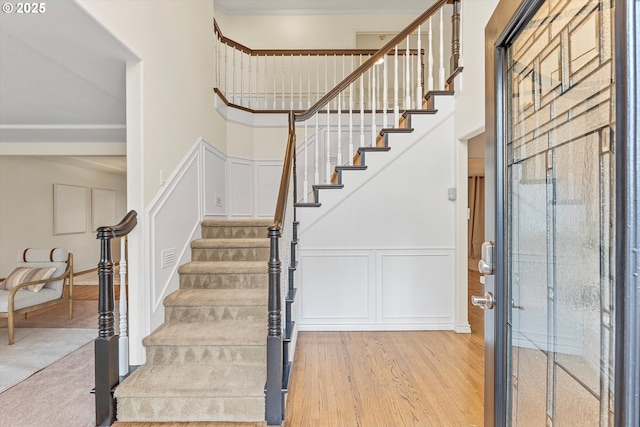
(208, 334)
(223, 267)
(216, 297)
(230, 243)
(237, 223)
(194, 381)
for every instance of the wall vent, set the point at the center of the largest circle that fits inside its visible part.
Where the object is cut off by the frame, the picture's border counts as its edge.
(168, 257)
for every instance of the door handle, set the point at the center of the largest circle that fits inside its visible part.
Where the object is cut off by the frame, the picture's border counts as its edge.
(484, 302)
(485, 265)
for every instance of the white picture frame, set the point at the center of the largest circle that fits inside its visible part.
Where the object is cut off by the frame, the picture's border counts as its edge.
(69, 209)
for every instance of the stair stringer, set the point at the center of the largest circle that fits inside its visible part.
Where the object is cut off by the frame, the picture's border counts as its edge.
(376, 257)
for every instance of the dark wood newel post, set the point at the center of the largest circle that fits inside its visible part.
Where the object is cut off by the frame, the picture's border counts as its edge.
(455, 36)
(106, 345)
(274, 411)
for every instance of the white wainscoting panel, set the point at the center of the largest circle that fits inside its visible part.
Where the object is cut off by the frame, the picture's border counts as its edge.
(336, 288)
(416, 286)
(215, 189)
(268, 174)
(241, 187)
(174, 218)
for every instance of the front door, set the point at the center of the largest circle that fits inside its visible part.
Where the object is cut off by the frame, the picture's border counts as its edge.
(551, 214)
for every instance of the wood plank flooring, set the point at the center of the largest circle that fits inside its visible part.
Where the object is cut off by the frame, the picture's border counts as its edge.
(358, 379)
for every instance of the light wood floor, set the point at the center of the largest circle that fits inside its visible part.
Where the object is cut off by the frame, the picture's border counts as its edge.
(357, 379)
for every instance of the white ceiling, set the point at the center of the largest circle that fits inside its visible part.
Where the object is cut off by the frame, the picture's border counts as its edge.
(62, 77)
(260, 7)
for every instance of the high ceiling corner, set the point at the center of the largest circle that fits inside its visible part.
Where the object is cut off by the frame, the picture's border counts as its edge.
(305, 7)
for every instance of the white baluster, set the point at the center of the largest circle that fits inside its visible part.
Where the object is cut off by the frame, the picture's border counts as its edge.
(241, 53)
(300, 88)
(308, 81)
(316, 175)
(460, 64)
(419, 73)
(226, 69)
(430, 63)
(123, 341)
(351, 119)
(257, 73)
(305, 185)
(373, 104)
(249, 80)
(215, 55)
(275, 97)
(291, 94)
(407, 77)
(339, 101)
(396, 100)
(233, 87)
(361, 107)
(385, 90)
(327, 166)
(284, 69)
(441, 76)
(266, 83)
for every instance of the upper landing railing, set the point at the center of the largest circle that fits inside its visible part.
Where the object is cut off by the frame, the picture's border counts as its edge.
(267, 80)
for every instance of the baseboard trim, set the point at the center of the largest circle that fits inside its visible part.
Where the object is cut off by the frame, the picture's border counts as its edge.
(462, 328)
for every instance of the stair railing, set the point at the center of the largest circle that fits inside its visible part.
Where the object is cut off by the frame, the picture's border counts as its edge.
(106, 347)
(338, 101)
(343, 121)
(280, 80)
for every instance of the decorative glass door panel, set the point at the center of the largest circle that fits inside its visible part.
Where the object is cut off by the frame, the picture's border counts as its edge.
(560, 225)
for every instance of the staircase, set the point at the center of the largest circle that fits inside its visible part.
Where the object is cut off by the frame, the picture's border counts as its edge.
(207, 362)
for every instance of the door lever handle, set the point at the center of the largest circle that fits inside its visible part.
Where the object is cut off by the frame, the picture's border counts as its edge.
(484, 302)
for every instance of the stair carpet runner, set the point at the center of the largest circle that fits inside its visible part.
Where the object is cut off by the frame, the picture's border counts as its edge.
(207, 362)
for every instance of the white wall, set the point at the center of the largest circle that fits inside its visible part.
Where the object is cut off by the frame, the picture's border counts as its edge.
(174, 40)
(26, 215)
(379, 253)
(306, 31)
(170, 104)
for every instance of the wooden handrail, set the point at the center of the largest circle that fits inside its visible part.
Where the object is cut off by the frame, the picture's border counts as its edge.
(371, 61)
(283, 192)
(300, 52)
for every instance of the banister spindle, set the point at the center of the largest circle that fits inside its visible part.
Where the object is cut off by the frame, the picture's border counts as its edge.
(300, 86)
(291, 88)
(430, 63)
(407, 77)
(226, 69)
(351, 119)
(316, 158)
(241, 77)
(233, 87)
(385, 89)
(441, 73)
(396, 100)
(266, 83)
(275, 97)
(327, 164)
(284, 70)
(339, 153)
(361, 107)
(372, 70)
(419, 73)
(124, 339)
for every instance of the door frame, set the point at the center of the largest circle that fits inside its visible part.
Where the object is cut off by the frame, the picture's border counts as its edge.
(507, 20)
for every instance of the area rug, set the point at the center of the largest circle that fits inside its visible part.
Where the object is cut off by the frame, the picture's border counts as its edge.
(35, 349)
